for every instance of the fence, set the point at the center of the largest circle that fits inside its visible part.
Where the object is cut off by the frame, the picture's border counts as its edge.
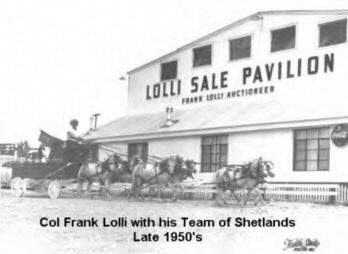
(282, 191)
(286, 191)
(343, 193)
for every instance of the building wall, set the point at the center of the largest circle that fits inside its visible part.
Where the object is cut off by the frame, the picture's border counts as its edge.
(291, 92)
(338, 163)
(322, 95)
(187, 147)
(106, 149)
(274, 145)
(277, 146)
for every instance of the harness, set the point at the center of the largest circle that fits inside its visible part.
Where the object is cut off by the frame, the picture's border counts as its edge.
(99, 172)
(146, 183)
(228, 183)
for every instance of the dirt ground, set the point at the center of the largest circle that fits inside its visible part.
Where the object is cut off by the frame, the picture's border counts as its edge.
(21, 232)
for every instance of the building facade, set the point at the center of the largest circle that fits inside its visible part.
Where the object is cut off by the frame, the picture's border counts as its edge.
(271, 85)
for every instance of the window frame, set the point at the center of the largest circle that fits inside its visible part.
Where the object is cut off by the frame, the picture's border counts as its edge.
(305, 150)
(177, 70)
(330, 21)
(236, 38)
(281, 28)
(215, 149)
(211, 56)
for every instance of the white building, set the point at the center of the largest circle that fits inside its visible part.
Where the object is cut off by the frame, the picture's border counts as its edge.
(273, 84)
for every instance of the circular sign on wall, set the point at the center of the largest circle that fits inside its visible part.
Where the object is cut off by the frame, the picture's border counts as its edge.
(339, 135)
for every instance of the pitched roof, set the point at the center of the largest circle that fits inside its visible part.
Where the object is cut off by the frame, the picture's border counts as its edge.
(255, 16)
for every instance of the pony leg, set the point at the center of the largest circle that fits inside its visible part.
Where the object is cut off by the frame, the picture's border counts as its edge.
(224, 199)
(174, 192)
(88, 188)
(151, 189)
(134, 189)
(247, 197)
(260, 198)
(181, 191)
(101, 187)
(107, 189)
(218, 197)
(139, 190)
(159, 192)
(79, 190)
(236, 196)
(142, 198)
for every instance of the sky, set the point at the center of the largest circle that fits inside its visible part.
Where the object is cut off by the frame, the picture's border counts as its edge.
(63, 59)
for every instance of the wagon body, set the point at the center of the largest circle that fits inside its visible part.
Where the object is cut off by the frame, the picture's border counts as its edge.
(50, 177)
(46, 170)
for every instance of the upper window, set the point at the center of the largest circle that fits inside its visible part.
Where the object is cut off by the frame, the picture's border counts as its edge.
(202, 56)
(283, 38)
(312, 149)
(333, 33)
(139, 149)
(169, 70)
(240, 48)
(214, 152)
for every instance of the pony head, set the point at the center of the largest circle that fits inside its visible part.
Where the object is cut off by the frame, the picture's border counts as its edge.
(190, 168)
(266, 168)
(114, 162)
(185, 168)
(173, 164)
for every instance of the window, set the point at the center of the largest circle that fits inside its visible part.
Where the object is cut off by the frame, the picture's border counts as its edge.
(94, 155)
(333, 33)
(312, 149)
(240, 48)
(139, 149)
(214, 152)
(169, 70)
(202, 56)
(283, 38)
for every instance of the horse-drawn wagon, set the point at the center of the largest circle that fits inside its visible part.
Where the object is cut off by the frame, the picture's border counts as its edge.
(51, 176)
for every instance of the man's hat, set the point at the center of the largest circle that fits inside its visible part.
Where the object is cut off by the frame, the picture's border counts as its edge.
(74, 122)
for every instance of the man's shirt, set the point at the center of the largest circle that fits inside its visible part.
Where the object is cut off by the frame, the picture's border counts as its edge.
(72, 135)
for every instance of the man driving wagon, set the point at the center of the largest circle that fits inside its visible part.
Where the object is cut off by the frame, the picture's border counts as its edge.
(76, 147)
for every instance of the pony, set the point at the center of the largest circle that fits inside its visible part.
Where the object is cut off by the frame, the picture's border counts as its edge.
(103, 172)
(123, 174)
(168, 173)
(246, 177)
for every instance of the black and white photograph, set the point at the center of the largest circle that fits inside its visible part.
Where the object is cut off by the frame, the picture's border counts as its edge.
(171, 127)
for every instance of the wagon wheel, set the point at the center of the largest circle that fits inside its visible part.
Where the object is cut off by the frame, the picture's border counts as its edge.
(17, 187)
(54, 189)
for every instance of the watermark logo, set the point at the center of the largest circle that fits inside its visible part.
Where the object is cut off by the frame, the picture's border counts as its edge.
(301, 244)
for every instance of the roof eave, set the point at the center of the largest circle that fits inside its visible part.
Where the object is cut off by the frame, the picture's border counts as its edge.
(226, 129)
